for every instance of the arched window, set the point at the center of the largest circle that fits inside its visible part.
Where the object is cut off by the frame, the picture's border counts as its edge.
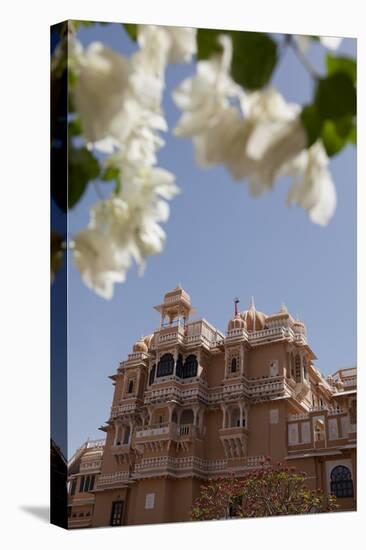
(297, 368)
(341, 484)
(152, 375)
(187, 417)
(126, 435)
(130, 386)
(165, 365)
(235, 418)
(304, 363)
(190, 367)
(233, 365)
(179, 366)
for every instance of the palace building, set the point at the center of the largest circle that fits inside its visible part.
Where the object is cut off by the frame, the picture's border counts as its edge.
(191, 403)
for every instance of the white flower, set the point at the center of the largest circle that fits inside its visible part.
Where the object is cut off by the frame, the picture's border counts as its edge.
(99, 261)
(131, 218)
(161, 45)
(205, 97)
(182, 44)
(330, 42)
(274, 135)
(99, 90)
(314, 189)
(119, 103)
(278, 143)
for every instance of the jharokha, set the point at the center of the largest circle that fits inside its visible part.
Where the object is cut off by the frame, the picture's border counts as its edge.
(191, 404)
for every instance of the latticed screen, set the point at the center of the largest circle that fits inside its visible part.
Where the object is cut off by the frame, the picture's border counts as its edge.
(341, 484)
(117, 512)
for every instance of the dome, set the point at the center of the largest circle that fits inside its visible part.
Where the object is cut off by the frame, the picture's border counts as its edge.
(140, 347)
(236, 323)
(149, 340)
(254, 319)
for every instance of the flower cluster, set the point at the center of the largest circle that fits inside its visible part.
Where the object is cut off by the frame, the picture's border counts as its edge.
(270, 490)
(256, 135)
(119, 100)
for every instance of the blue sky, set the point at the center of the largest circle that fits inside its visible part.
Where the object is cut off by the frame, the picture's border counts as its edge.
(221, 243)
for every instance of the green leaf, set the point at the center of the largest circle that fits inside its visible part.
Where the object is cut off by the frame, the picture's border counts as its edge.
(336, 134)
(112, 173)
(131, 29)
(207, 44)
(254, 59)
(77, 23)
(312, 123)
(335, 96)
(333, 142)
(75, 127)
(342, 64)
(352, 137)
(83, 167)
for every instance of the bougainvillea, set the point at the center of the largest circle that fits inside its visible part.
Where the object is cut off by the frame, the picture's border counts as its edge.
(267, 491)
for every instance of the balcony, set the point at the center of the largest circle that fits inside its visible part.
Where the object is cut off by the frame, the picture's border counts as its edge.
(156, 431)
(112, 481)
(159, 437)
(121, 453)
(234, 440)
(319, 429)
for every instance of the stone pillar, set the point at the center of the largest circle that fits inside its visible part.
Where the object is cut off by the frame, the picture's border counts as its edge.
(241, 414)
(131, 429)
(242, 359)
(171, 410)
(150, 411)
(116, 430)
(195, 411)
(223, 408)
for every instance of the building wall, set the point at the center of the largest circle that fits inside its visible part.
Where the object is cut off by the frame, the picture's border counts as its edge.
(159, 473)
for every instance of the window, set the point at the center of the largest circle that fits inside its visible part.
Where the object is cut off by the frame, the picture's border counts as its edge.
(233, 365)
(149, 501)
(81, 488)
(297, 368)
(152, 375)
(92, 481)
(165, 365)
(235, 418)
(73, 487)
(126, 435)
(179, 366)
(87, 483)
(341, 484)
(190, 367)
(234, 507)
(353, 412)
(130, 386)
(117, 513)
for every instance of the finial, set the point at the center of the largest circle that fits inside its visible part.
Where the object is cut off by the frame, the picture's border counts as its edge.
(283, 308)
(252, 304)
(178, 287)
(236, 301)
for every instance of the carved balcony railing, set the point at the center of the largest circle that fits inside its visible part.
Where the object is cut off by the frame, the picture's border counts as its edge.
(113, 480)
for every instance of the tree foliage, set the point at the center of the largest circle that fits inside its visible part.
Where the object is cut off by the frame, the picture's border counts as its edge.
(267, 491)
